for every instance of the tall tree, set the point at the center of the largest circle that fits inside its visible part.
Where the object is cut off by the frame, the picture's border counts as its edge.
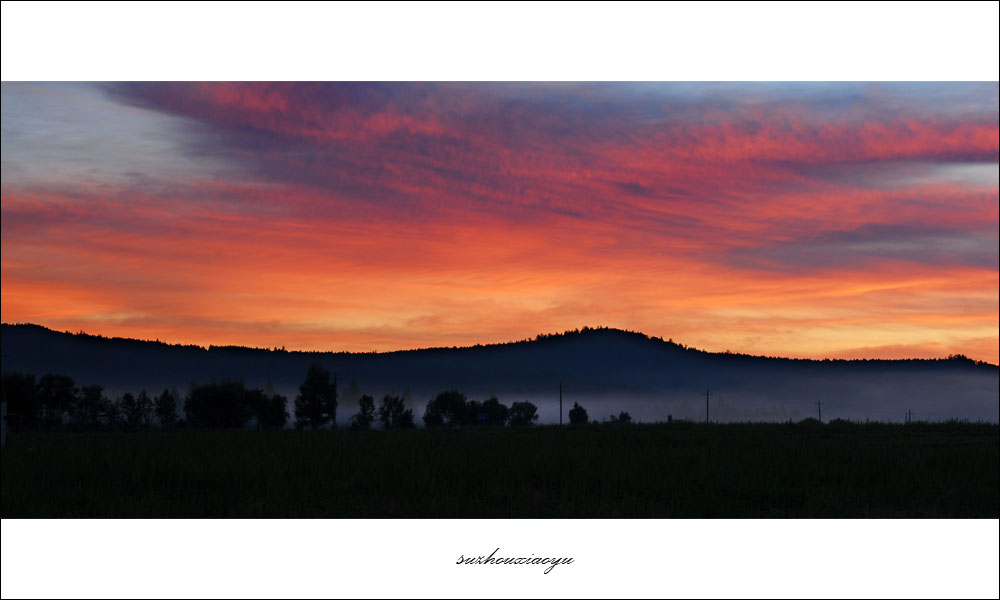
(448, 408)
(393, 414)
(577, 415)
(522, 414)
(111, 414)
(218, 405)
(56, 395)
(496, 412)
(145, 411)
(366, 414)
(166, 409)
(137, 410)
(269, 409)
(316, 403)
(89, 410)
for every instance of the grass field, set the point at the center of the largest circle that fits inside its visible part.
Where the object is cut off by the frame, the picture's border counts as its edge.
(601, 471)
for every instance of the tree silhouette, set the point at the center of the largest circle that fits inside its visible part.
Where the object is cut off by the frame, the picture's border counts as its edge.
(86, 413)
(268, 409)
(144, 409)
(522, 414)
(393, 414)
(577, 415)
(166, 409)
(471, 413)
(56, 395)
(448, 408)
(366, 414)
(126, 403)
(622, 418)
(495, 411)
(218, 405)
(137, 410)
(23, 408)
(111, 414)
(316, 404)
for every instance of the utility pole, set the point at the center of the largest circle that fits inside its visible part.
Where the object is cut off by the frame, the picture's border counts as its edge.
(707, 394)
(560, 403)
(909, 416)
(819, 405)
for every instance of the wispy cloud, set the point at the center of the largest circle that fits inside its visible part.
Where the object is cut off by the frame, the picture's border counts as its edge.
(775, 218)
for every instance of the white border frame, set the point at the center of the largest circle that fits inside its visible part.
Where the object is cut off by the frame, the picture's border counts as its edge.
(884, 41)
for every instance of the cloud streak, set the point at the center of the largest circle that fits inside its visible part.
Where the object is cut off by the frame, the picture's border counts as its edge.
(780, 219)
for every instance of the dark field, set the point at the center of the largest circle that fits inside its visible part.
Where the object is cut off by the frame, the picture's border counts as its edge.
(944, 470)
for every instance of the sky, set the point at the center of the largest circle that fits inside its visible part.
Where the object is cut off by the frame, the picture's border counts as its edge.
(851, 220)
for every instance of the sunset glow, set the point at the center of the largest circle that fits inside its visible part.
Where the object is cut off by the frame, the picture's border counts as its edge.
(808, 220)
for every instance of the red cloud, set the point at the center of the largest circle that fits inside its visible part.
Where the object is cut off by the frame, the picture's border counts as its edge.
(366, 220)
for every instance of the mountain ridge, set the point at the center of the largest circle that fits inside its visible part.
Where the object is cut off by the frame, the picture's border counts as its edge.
(542, 337)
(606, 368)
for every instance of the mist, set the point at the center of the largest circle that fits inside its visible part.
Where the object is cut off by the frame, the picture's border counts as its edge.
(607, 371)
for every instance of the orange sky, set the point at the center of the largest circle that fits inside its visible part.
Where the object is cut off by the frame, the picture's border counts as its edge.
(807, 220)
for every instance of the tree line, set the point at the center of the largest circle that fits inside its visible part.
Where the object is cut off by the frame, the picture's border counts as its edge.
(55, 402)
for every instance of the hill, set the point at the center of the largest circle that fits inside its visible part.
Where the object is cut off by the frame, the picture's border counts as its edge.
(606, 370)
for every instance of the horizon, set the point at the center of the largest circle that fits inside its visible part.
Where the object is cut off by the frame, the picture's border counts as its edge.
(537, 337)
(803, 220)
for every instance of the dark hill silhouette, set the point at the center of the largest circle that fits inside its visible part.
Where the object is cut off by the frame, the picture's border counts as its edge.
(606, 370)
